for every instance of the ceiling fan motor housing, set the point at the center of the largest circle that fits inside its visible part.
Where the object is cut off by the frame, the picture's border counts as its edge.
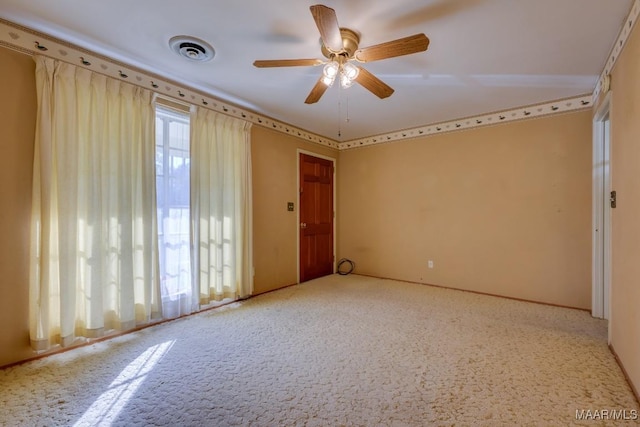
(350, 41)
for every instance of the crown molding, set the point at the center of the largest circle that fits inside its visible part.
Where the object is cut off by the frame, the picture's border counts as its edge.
(520, 113)
(603, 83)
(561, 106)
(31, 42)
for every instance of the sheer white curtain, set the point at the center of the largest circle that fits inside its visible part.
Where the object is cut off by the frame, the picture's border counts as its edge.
(220, 206)
(93, 247)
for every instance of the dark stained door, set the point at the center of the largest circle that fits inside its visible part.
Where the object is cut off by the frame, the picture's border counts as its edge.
(316, 217)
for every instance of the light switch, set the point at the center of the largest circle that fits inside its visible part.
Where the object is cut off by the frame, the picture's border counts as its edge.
(290, 206)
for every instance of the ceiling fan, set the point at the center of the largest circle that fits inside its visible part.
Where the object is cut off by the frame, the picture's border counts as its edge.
(340, 47)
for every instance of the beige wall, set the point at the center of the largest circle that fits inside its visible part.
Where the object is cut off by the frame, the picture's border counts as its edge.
(625, 174)
(274, 158)
(503, 210)
(17, 127)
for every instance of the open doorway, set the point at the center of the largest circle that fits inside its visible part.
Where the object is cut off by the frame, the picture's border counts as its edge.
(602, 196)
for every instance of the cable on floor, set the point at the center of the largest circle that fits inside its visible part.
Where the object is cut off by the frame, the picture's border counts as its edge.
(344, 271)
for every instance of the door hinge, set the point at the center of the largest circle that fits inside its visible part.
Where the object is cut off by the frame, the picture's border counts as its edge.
(301, 190)
(613, 199)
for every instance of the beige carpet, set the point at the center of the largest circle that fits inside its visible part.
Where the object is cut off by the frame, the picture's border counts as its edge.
(342, 350)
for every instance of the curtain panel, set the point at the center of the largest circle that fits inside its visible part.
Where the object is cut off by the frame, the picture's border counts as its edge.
(94, 232)
(221, 206)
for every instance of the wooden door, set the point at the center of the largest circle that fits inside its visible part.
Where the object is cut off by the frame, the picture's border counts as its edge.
(316, 217)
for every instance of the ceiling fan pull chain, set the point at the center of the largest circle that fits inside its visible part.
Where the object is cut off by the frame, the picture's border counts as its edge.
(348, 119)
(340, 112)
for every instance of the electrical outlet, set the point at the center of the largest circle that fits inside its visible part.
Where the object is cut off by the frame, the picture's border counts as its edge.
(430, 263)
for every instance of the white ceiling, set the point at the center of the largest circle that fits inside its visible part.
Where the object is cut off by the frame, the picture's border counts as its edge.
(484, 56)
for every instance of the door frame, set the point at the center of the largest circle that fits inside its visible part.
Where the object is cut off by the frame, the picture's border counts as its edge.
(333, 160)
(601, 215)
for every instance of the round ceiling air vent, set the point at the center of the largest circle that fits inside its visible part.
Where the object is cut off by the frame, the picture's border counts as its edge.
(192, 48)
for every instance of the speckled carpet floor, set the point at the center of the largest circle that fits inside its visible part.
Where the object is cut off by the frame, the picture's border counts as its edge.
(341, 350)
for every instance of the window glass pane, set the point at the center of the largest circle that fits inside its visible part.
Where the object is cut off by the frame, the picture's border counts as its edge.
(172, 182)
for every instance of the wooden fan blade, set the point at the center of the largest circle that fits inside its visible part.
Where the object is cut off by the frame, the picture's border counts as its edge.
(266, 63)
(405, 46)
(374, 84)
(317, 92)
(327, 23)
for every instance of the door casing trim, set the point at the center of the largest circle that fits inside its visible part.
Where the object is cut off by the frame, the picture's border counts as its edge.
(601, 246)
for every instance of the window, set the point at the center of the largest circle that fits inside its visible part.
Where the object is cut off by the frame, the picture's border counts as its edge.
(173, 190)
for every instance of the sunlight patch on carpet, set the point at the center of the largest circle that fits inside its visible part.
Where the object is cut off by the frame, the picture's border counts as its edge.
(107, 407)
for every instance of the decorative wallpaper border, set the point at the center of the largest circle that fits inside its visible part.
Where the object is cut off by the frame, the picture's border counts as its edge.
(521, 113)
(560, 106)
(625, 32)
(32, 42)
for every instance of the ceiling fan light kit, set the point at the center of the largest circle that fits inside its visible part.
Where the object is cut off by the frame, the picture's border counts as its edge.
(347, 72)
(345, 81)
(340, 47)
(330, 72)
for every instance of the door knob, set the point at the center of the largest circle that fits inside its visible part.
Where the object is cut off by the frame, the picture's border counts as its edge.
(303, 225)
